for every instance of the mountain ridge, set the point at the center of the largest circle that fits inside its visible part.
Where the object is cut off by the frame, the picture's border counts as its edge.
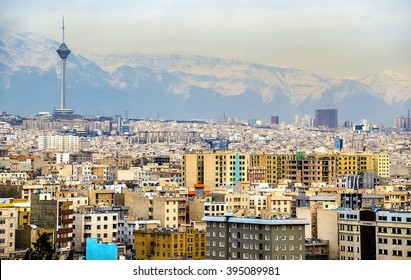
(118, 82)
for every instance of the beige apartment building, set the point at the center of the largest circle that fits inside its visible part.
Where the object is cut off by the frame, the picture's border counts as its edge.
(214, 169)
(379, 235)
(322, 167)
(95, 224)
(273, 166)
(237, 202)
(327, 229)
(171, 211)
(8, 226)
(101, 198)
(258, 204)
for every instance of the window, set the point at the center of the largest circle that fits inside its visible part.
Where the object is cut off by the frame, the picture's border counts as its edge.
(397, 253)
(396, 230)
(397, 242)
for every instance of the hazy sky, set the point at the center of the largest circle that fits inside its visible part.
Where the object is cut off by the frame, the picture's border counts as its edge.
(329, 38)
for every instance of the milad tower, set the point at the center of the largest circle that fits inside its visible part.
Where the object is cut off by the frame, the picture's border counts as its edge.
(63, 51)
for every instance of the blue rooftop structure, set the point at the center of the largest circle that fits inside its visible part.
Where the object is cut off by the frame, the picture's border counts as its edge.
(96, 250)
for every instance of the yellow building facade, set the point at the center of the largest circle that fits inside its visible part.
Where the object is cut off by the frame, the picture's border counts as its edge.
(215, 169)
(170, 244)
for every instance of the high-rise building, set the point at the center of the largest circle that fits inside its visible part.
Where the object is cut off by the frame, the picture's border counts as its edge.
(326, 118)
(214, 169)
(403, 122)
(63, 51)
(275, 120)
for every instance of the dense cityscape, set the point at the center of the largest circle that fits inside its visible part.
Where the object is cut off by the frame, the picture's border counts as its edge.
(114, 187)
(118, 188)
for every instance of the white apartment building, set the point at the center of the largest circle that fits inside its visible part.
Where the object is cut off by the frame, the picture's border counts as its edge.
(62, 158)
(64, 143)
(216, 209)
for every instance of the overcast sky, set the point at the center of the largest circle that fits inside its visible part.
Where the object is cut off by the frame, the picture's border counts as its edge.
(329, 38)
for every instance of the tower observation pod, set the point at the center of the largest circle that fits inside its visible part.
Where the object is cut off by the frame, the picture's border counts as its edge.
(63, 51)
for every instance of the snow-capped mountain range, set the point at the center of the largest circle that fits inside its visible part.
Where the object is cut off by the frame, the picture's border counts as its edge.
(185, 87)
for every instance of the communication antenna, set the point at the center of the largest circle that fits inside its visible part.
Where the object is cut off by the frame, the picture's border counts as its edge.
(62, 30)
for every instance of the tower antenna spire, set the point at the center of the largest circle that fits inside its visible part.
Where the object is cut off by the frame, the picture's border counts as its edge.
(62, 29)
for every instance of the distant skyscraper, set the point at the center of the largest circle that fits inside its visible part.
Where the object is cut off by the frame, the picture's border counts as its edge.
(275, 119)
(326, 118)
(63, 51)
(403, 122)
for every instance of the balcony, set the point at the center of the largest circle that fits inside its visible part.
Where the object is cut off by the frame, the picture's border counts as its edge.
(67, 221)
(64, 239)
(67, 212)
(64, 230)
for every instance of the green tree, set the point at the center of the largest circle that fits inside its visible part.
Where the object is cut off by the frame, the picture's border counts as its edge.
(43, 247)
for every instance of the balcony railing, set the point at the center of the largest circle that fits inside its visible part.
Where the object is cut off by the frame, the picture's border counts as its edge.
(64, 239)
(67, 221)
(64, 230)
(67, 212)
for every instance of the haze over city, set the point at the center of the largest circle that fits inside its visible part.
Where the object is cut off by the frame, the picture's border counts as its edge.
(330, 38)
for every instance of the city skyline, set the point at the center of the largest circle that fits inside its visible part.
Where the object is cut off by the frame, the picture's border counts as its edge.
(333, 40)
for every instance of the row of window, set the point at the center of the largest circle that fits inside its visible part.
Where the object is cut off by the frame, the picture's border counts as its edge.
(393, 230)
(394, 219)
(88, 218)
(105, 235)
(88, 227)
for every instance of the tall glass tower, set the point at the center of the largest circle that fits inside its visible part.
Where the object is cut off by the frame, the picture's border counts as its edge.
(326, 118)
(63, 51)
